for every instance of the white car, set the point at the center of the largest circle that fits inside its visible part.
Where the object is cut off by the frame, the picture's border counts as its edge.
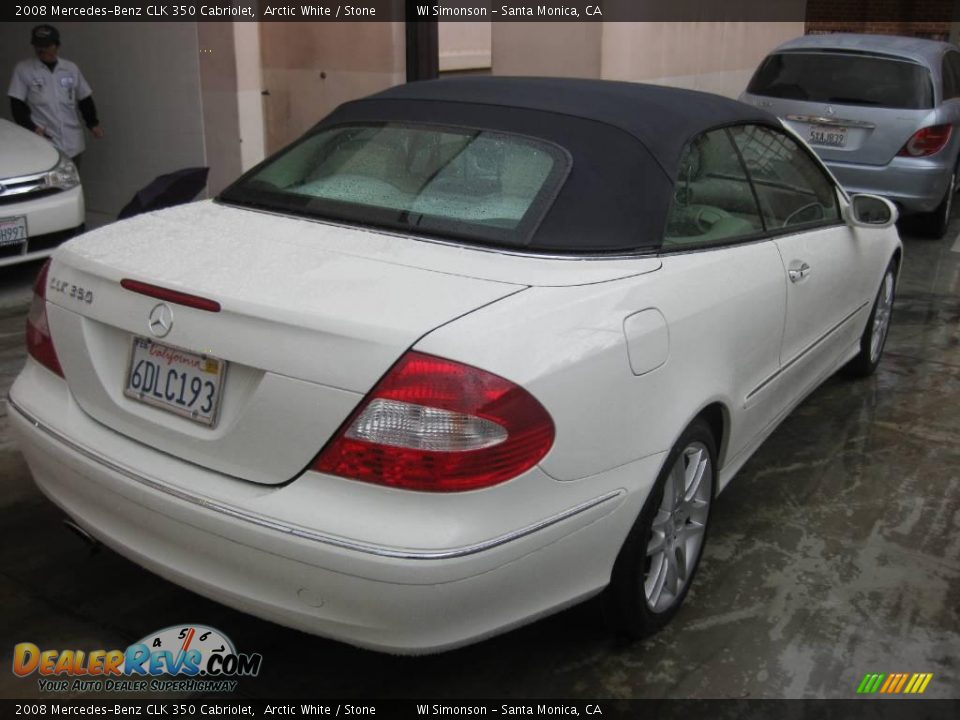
(41, 201)
(468, 352)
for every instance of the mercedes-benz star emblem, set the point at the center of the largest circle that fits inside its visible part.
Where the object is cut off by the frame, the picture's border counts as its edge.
(830, 110)
(161, 320)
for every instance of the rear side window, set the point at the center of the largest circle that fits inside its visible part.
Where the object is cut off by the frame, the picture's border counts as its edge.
(472, 184)
(712, 201)
(844, 78)
(793, 190)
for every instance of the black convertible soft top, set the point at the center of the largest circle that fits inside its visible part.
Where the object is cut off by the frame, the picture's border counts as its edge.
(625, 141)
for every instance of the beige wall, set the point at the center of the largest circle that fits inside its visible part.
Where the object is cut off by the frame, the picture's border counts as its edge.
(218, 92)
(246, 43)
(547, 48)
(717, 57)
(464, 45)
(311, 68)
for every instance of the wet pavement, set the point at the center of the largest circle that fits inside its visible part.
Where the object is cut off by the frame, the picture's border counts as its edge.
(834, 553)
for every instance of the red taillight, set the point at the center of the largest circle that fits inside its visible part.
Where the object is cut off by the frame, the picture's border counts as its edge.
(439, 426)
(927, 141)
(39, 342)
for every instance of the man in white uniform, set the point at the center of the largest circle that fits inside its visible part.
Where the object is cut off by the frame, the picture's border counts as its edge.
(48, 95)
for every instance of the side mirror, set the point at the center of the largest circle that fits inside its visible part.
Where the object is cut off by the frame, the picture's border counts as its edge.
(870, 211)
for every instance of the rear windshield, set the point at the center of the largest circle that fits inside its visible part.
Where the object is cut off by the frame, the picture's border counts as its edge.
(844, 78)
(487, 187)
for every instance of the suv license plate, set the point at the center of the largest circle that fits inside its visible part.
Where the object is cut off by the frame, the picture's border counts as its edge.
(831, 137)
(175, 380)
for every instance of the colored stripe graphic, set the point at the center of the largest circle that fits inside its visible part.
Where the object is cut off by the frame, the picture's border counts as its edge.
(894, 683)
(918, 683)
(870, 683)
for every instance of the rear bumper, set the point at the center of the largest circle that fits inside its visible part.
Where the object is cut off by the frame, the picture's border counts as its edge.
(237, 542)
(914, 185)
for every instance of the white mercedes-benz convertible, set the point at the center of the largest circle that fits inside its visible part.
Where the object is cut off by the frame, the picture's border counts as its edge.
(468, 352)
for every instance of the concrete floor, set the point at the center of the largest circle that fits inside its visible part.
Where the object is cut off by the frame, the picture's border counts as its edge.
(836, 552)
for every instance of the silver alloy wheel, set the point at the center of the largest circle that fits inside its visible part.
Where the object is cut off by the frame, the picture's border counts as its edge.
(676, 536)
(881, 317)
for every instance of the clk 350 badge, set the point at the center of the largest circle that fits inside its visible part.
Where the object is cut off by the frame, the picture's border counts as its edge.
(74, 292)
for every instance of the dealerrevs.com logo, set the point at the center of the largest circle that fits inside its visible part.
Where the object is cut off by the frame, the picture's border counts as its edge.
(202, 659)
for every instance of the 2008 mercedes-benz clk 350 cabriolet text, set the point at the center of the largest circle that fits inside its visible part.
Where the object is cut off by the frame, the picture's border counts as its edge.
(468, 352)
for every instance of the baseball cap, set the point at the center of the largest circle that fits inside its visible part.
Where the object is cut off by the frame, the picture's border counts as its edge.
(44, 35)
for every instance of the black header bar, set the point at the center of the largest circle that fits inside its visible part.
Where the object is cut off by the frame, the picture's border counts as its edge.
(198, 707)
(44, 11)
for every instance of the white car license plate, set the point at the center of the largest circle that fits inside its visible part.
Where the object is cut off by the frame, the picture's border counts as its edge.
(829, 136)
(176, 380)
(13, 230)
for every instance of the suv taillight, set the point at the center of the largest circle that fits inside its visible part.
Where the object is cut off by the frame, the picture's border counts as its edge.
(39, 343)
(927, 141)
(439, 426)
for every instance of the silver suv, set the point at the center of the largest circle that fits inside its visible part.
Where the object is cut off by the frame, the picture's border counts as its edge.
(881, 111)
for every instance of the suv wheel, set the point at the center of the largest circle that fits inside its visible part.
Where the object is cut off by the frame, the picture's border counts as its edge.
(934, 224)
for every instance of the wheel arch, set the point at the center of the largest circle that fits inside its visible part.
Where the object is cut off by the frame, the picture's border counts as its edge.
(717, 417)
(625, 603)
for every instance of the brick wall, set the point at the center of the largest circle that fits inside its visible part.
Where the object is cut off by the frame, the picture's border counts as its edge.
(916, 18)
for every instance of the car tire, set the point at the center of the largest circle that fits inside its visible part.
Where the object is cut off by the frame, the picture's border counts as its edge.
(934, 224)
(658, 561)
(878, 325)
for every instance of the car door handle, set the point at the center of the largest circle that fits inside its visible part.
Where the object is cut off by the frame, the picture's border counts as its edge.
(798, 274)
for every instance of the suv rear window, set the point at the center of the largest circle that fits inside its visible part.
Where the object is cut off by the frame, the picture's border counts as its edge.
(845, 79)
(468, 184)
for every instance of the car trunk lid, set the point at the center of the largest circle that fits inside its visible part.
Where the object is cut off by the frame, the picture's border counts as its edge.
(304, 331)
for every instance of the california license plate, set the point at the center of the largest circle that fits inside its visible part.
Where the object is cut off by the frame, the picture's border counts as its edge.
(13, 230)
(829, 136)
(175, 380)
